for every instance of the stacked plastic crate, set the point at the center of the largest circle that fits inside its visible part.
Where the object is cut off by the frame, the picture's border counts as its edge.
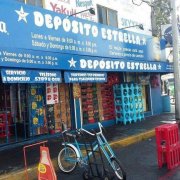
(168, 145)
(138, 102)
(89, 103)
(64, 106)
(106, 97)
(100, 107)
(128, 103)
(107, 101)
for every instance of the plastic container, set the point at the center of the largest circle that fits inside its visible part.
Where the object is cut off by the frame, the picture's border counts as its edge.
(166, 103)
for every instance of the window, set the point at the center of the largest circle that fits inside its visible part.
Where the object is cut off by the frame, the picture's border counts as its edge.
(33, 2)
(107, 16)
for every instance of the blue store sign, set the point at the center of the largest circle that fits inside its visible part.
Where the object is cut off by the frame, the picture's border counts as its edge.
(80, 77)
(27, 27)
(30, 76)
(48, 60)
(32, 37)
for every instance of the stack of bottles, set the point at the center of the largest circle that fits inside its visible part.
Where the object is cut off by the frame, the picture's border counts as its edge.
(168, 145)
(128, 103)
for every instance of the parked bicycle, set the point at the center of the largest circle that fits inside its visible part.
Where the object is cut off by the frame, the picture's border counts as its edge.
(71, 155)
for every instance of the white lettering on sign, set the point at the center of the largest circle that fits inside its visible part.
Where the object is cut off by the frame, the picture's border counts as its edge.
(87, 29)
(3, 27)
(56, 22)
(114, 35)
(18, 79)
(141, 66)
(86, 74)
(47, 74)
(49, 79)
(15, 72)
(102, 64)
(5, 53)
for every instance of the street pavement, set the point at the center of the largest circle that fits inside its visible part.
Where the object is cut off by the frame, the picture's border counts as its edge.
(12, 162)
(139, 161)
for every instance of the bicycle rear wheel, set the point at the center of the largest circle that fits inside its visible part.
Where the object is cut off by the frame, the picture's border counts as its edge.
(67, 159)
(118, 170)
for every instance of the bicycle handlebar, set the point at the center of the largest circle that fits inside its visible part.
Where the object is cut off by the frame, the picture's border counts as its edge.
(66, 131)
(93, 134)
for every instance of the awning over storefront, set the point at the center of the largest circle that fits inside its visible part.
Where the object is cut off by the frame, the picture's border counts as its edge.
(30, 76)
(80, 77)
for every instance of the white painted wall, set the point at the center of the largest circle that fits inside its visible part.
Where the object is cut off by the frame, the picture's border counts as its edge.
(128, 13)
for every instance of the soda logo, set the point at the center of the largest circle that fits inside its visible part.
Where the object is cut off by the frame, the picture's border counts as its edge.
(3, 28)
(42, 168)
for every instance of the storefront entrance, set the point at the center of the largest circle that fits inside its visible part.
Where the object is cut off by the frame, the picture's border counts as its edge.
(26, 114)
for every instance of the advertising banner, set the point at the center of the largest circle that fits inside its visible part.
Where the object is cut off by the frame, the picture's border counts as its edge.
(30, 76)
(52, 95)
(80, 77)
(69, 7)
(36, 109)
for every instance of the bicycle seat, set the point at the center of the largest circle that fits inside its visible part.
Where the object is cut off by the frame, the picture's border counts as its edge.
(74, 135)
(70, 134)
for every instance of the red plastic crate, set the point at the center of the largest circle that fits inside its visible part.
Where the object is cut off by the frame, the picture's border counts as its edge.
(167, 134)
(5, 120)
(173, 157)
(169, 157)
(168, 145)
(161, 156)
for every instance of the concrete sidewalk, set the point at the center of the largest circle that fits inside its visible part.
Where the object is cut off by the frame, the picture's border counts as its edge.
(12, 162)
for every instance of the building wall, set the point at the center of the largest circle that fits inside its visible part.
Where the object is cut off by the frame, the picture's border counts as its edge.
(156, 98)
(128, 13)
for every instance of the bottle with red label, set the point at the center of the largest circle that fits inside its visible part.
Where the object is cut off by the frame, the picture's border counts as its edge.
(45, 168)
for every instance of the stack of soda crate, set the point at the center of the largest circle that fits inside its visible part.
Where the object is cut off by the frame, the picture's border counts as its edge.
(128, 102)
(64, 106)
(168, 145)
(89, 103)
(138, 102)
(100, 107)
(107, 101)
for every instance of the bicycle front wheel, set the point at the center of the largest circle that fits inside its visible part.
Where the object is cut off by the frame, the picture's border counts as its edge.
(118, 170)
(67, 159)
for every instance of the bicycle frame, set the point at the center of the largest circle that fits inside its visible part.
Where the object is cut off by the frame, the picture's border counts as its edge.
(81, 159)
(104, 145)
(74, 154)
(102, 142)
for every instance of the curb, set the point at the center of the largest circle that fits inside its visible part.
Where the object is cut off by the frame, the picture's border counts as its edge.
(133, 139)
(32, 171)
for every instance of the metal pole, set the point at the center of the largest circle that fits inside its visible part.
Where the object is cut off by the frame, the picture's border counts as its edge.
(176, 59)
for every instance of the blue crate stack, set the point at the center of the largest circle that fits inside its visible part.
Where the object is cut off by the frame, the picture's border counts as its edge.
(128, 103)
